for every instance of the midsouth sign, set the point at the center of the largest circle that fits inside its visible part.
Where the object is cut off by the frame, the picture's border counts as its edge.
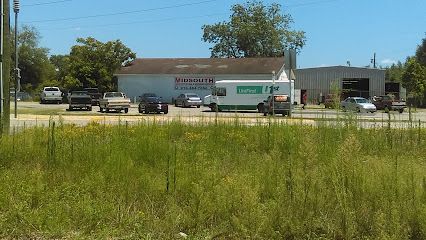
(194, 81)
(188, 84)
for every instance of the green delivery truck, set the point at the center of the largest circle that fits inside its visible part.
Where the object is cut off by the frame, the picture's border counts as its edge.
(234, 95)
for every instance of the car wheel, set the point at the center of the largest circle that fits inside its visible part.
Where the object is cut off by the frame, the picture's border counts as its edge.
(140, 110)
(165, 112)
(265, 113)
(126, 110)
(358, 110)
(107, 110)
(261, 108)
(176, 104)
(401, 110)
(70, 108)
(101, 109)
(89, 109)
(198, 106)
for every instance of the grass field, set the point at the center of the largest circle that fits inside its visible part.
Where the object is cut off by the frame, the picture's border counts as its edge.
(220, 181)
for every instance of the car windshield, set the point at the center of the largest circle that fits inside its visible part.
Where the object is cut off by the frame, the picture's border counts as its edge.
(52, 89)
(192, 96)
(79, 93)
(361, 100)
(153, 99)
(113, 94)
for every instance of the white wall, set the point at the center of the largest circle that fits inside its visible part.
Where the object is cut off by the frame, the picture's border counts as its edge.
(164, 85)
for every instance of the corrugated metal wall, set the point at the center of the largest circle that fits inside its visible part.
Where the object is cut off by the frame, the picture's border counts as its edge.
(318, 81)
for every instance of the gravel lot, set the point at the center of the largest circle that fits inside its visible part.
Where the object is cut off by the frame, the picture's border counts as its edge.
(32, 113)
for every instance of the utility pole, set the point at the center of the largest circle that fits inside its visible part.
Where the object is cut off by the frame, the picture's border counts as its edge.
(16, 70)
(1, 61)
(5, 39)
(373, 61)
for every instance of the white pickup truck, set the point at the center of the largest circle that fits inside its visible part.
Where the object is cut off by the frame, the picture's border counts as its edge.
(51, 94)
(116, 101)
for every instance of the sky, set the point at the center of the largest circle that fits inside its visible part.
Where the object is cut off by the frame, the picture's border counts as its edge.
(337, 31)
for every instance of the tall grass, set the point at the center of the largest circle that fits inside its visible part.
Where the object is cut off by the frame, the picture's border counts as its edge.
(226, 181)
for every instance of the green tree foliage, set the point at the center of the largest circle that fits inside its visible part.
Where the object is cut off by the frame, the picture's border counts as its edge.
(394, 73)
(254, 30)
(92, 63)
(33, 60)
(421, 53)
(414, 79)
(61, 63)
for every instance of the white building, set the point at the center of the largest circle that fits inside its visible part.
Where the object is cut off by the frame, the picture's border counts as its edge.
(170, 77)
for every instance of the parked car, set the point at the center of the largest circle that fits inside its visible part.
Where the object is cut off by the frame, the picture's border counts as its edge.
(357, 104)
(331, 101)
(80, 100)
(279, 104)
(146, 95)
(51, 94)
(116, 101)
(153, 104)
(94, 94)
(188, 100)
(388, 103)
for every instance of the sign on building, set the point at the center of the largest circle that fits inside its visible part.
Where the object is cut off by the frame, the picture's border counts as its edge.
(184, 83)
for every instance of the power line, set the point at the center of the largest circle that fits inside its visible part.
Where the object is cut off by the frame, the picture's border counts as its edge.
(135, 22)
(122, 13)
(46, 3)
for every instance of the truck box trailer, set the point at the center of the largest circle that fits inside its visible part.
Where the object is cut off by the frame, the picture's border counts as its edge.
(235, 95)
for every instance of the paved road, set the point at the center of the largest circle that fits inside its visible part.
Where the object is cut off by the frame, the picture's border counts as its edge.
(30, 114)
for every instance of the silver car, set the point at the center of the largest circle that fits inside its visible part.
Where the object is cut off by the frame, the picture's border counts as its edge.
(188, 100)
(357, 104)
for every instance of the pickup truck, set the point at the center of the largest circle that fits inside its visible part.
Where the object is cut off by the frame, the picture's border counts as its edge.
(94, 94)
(80, 100)
(114, 101)
(51, 94)
(277, 104)
(388, 103)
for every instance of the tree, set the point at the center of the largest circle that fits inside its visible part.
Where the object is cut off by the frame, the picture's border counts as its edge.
(93, 63)
(421, 53)
(414, 79)
(254, 30)
(33, 60)
(394, 72)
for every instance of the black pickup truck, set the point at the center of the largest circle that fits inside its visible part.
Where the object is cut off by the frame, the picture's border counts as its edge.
(94, 94)
(80, 100)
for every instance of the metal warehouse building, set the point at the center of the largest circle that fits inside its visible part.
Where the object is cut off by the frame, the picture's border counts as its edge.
(170, 77)
(353, 81)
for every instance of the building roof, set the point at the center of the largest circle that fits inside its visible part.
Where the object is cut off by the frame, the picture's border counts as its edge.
(214, 66)
(340, 67)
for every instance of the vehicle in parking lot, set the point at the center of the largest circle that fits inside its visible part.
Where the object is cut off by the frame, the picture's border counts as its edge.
(188, 100)
(388, 103)
(235, 95)
(51, 94)
(357, 104)
(94, 94)
(80, 100)
(116, 101)
(153, 104)
(277, 104)
(331, 101)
